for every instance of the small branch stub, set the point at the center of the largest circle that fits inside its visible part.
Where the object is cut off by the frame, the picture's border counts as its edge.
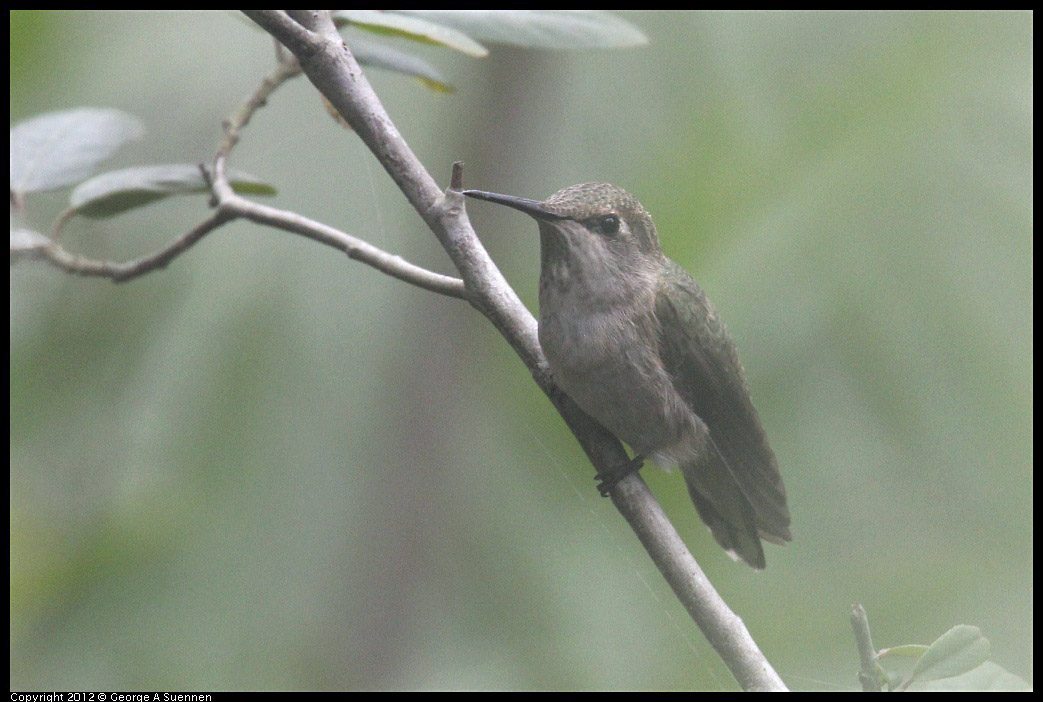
(456, 182)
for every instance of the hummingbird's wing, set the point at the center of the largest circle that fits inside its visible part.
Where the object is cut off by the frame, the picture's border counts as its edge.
(702, 361)
(722, 505)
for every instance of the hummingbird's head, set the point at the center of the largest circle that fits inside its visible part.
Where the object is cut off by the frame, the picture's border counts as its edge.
(590, 231)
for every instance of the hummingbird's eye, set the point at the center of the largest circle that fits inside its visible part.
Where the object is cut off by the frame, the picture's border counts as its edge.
(607, 225)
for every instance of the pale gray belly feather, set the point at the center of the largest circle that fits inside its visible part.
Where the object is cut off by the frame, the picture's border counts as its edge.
(609, 364)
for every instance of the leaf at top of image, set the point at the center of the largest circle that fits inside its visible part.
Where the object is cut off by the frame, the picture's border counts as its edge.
(115, 192)
(378, 55)
(540, 29)
(392, 23)
(58, 149)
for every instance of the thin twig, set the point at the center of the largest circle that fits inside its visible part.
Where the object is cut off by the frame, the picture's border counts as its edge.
(869, 676)
(121, 272)
(288, 68)
(397, 267)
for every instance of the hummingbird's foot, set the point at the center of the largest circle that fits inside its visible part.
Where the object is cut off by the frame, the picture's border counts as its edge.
(605, 484)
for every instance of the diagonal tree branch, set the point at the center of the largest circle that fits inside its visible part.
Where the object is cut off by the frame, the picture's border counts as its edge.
(329, 65)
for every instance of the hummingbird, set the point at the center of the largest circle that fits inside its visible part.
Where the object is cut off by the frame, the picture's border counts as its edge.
(634, 341)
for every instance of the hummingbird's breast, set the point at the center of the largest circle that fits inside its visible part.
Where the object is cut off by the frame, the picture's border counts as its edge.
(607, 359)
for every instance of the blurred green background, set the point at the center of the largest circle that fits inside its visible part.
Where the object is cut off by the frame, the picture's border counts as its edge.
(272, 467)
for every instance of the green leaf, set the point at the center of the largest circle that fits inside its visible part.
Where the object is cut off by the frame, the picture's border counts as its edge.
(539, 29)
(113, 193)
(370, 53)
(905, 651)
(436, 86)
(986, 677)
(414, 28)
(59, 149)
(955, 652)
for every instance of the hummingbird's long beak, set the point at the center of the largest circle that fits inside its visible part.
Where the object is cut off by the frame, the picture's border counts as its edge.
(533, 208)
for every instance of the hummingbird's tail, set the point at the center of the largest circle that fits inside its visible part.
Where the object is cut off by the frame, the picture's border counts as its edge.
(724, 508)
